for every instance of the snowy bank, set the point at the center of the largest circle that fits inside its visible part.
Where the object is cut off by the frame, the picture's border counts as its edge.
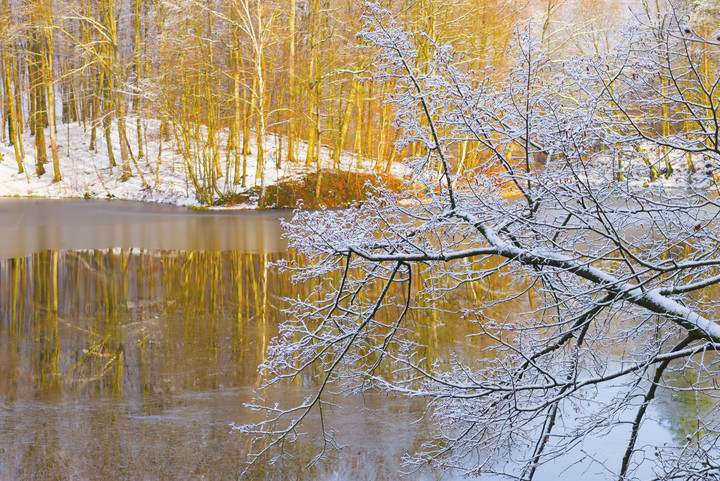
(160, 176)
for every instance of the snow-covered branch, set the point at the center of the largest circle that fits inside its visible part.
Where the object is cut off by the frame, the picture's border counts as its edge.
(596, 287)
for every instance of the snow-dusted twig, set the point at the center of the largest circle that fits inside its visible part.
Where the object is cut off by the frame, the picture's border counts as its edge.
(614, 283)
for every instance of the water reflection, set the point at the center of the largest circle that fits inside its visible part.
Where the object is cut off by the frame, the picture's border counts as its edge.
(130, 363)
(95, 345)
(33, 225)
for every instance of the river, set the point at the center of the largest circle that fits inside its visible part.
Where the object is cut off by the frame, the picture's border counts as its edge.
(130, 335)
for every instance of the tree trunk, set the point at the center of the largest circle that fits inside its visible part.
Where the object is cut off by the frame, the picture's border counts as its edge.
(292, 80)
(138, 66)
(36, 102)
(237, 116)
(357, 145)
(106, 84)
(12, 119)
(344, 126)
(313, 87)
(46, 42)
(249, 108)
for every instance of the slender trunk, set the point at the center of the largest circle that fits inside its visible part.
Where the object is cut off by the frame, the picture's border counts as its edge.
(139, 133)
(260, 126)
(382, 125)
(47, 70)
(18, 107)
(293, 81)
(36, 103)
(237, 116)
(4, 104)
(73, 99)
(462, 157)
(666, 131)
(94, 107)
(357, 145)
(369, 122)
(88, 92)
(249, 108)
(312, 134)
(124, 143)
(312, 87)
(138, 65)
(344, 126)
(115, 80)
(15, 68)
(260, 93)
(391, 158)
(318, 143)
(215, 170)
(121, 110)
(164, 122)
(106, 84)
(12, 120)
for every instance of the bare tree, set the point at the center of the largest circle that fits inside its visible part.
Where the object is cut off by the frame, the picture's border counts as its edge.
(623, 275)
(14, 132)
(256, 20)
(662, 96)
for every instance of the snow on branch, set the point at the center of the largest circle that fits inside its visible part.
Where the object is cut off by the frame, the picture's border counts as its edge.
(593, 284)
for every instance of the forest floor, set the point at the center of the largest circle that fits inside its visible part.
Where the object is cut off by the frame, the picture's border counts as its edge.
(161, 175)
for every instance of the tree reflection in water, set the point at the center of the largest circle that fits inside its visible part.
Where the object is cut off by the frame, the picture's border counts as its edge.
(131, 363)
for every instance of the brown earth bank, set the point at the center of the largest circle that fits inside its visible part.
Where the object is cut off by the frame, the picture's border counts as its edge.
(336, 189)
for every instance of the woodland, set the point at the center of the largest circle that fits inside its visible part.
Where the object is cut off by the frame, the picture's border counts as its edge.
(207, 102)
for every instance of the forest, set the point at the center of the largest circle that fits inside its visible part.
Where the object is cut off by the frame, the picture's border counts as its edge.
(222, 98)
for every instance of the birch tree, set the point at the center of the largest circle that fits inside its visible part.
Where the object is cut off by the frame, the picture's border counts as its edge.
(44, 17)
(623, 276)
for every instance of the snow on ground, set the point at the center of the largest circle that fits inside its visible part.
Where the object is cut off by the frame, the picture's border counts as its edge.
(88, 173)
(164, 176)
(636, 170)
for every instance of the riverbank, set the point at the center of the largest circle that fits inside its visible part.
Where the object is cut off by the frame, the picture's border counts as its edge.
(160, 175)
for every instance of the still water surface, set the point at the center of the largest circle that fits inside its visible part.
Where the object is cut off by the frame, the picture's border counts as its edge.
(129, 340)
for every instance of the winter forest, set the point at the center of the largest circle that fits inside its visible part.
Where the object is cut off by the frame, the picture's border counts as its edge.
(210, 102)
(513, 251)
(233, 94)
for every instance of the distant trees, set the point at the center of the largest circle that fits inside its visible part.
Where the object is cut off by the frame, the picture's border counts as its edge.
(610, 297)
(222, 76)
(218, 76)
